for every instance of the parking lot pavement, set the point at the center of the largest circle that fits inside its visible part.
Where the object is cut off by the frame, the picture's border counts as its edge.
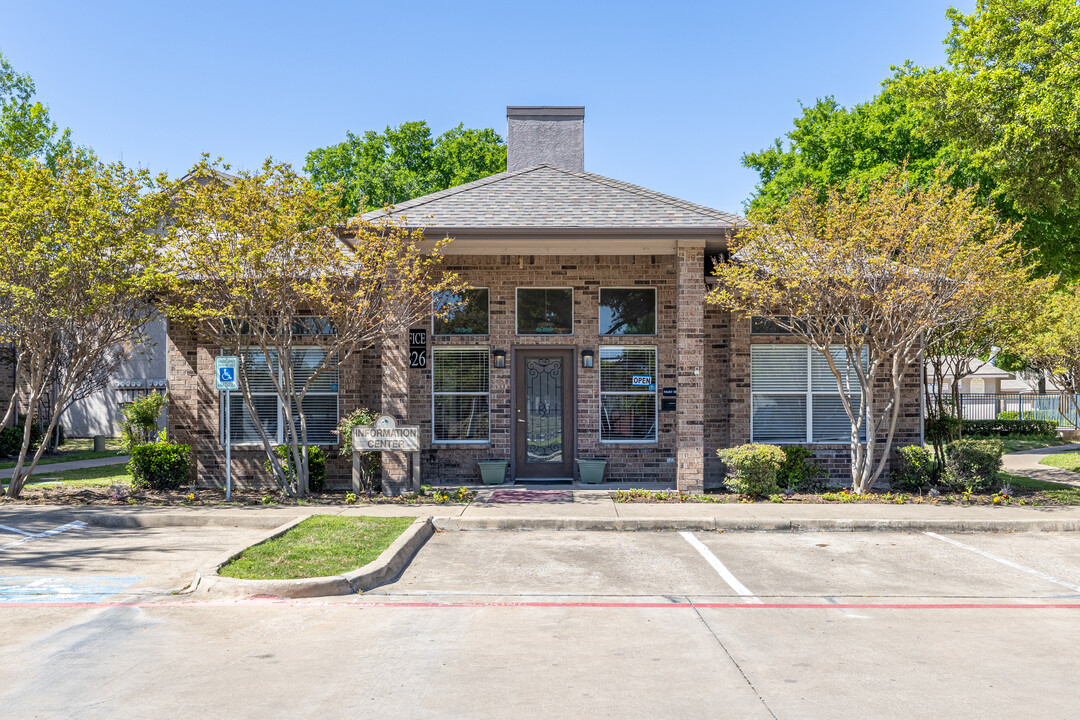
(586, 625)
(52, 558)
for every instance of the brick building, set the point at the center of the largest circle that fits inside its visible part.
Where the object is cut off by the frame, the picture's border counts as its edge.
(585, 335)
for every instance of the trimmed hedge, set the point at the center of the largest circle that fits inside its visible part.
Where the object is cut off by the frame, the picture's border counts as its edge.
(916, 466)
(755, 467)
(159, 465)
(972, 464)
(799, 468)
(1010, 427)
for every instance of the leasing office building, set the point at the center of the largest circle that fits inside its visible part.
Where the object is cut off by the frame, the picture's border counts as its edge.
(586, 335)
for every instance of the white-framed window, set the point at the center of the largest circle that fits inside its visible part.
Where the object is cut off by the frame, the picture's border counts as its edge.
(544, 310)
(627, 311)
(471, 315)
(460, 394)
(628, 394)
(320, 403)
(794, 397)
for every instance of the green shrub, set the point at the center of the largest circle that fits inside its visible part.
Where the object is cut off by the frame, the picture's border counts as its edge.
(915, 468)
(972, 464)
(370, 462)
(11, 437)
(755, 468)
(316, 465)
(799, 469)
(139, 425)
(159, 465)
(1015, 415)
(1005, 426)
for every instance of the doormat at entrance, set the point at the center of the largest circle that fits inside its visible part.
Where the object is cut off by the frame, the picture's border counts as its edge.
(532, 496)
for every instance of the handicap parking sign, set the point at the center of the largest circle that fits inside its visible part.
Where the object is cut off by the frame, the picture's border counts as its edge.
(227, 373)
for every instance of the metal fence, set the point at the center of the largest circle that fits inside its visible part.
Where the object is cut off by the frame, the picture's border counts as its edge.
(1028, 406)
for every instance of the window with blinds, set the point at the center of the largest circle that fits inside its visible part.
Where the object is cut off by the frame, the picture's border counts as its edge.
(628, 394)
(460, 394)
(320, 403)
(795, 398)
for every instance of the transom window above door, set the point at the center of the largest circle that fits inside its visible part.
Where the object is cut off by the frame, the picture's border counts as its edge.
(627, 311)
(545, 311)
(464, 313)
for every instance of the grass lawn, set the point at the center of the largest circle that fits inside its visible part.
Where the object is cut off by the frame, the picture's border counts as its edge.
(74, 449)
(1016, 443)
(86, 477)
(1065, 494)
(1069, 461)
(321, 545)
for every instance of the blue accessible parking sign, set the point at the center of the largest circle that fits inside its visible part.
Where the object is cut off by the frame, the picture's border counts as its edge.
(227, 373)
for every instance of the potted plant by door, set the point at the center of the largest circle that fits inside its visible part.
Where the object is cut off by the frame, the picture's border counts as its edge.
(493, 472)
(591, 472)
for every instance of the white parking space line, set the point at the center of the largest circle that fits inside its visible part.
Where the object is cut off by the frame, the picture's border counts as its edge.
(1009, 563)
(73, 525)
(17, 531)
(719, 567)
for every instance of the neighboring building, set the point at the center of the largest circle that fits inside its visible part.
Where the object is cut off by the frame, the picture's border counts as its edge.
(99, 414)
(983, 377)
(586, 336)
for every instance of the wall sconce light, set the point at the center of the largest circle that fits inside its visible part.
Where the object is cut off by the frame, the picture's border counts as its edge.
(499, 358)
(586, 358)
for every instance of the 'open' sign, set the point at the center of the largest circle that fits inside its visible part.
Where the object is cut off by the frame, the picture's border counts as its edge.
(641, 380)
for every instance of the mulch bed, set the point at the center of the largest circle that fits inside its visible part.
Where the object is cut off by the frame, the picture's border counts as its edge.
(60, 495)
(841, 497)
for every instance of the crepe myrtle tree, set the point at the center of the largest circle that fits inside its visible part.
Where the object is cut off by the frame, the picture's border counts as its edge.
(862, 277)
(78, 268)
(267, 266)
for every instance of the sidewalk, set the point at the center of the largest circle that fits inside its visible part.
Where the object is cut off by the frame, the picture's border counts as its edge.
(595, 510)
(73, 465)
(1026, 464)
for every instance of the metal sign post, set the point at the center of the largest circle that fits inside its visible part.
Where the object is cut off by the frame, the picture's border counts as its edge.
(226, 380)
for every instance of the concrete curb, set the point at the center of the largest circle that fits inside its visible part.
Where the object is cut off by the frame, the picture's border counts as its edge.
(382, 569)
(753, 525)
(155, 520)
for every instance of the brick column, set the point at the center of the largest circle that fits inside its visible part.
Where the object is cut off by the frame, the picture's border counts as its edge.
(690, 360)
(394, 401)
(182, 384)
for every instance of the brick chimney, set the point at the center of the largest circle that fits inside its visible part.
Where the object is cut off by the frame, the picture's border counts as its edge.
(545, 134)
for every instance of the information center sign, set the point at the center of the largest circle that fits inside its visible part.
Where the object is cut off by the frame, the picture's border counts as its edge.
(386, 436)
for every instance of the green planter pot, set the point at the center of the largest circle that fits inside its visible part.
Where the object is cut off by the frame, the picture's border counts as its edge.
(493, 472)
(591, 472)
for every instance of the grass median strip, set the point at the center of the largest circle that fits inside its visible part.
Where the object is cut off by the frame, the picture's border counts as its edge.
(321, 545)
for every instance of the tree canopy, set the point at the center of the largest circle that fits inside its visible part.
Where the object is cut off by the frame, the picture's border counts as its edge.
(866, 273)
(1008, 97)
(1002, 115)
(265, 271)
(79, 266)
(376, 169)
(26, 129)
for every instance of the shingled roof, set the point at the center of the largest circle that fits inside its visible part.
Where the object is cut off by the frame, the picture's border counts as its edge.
(545, 197)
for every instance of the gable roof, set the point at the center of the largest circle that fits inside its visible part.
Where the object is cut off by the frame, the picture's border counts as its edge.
(545, 197)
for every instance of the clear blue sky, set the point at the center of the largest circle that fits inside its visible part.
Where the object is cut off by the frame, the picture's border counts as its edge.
(674, 93)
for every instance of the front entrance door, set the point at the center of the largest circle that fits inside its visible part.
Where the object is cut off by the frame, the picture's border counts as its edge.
(544, 414)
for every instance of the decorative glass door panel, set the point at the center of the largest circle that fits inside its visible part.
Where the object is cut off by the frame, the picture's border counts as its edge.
(543, 414)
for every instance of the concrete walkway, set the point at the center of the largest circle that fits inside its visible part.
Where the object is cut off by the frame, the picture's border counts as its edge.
(1026, 464)
(59, 467)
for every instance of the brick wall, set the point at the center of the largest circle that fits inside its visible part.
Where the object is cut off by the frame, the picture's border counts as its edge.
(7, 375)
(502, 275)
